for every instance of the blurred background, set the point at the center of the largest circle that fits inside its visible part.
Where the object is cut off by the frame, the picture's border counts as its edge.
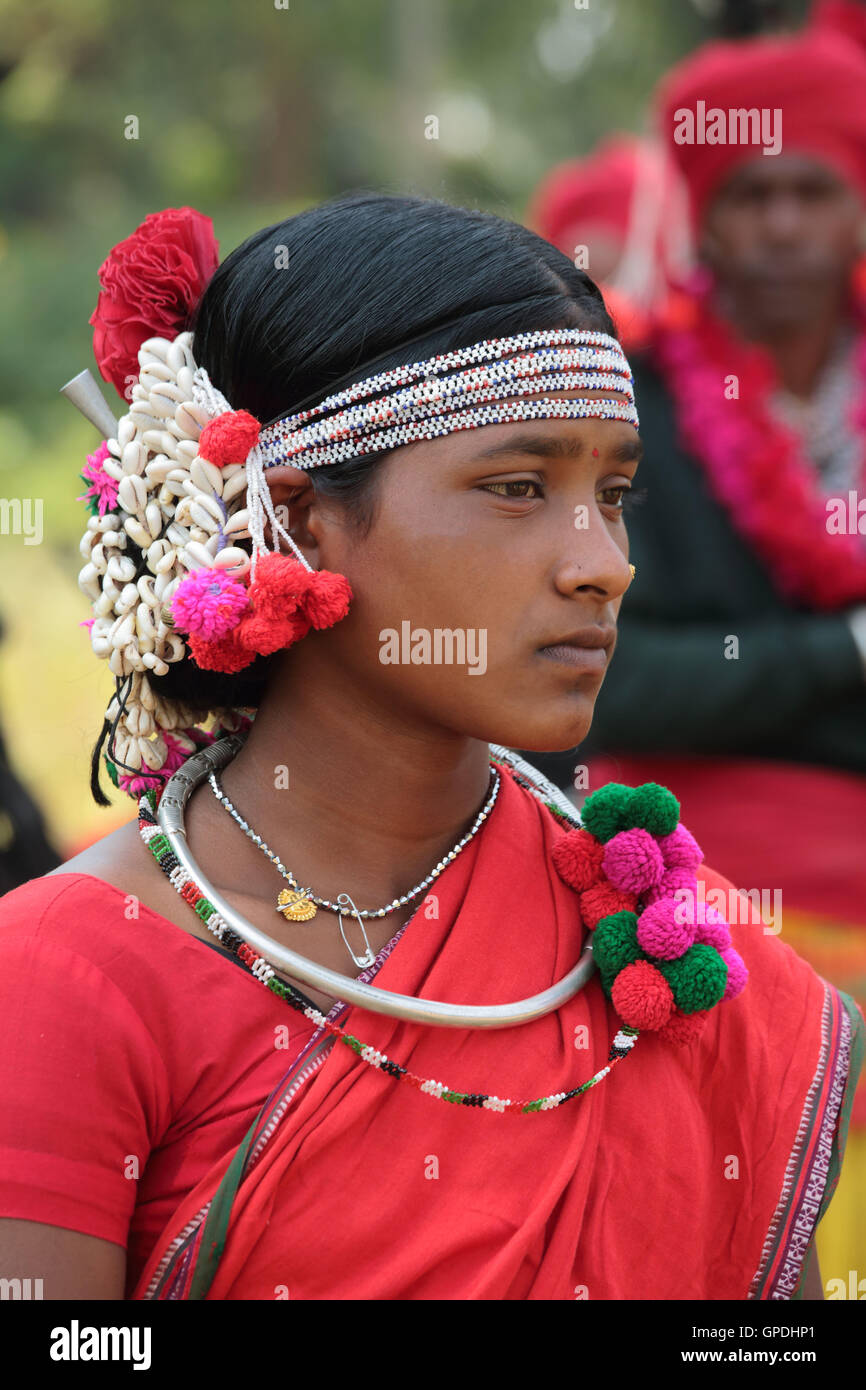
(248, 113)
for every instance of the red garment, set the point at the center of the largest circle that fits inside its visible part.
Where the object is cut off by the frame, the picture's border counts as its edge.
(816, 79)
(365, 1188)
(121, 1036)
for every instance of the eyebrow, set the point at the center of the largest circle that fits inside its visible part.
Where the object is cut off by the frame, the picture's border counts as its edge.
(630, 451)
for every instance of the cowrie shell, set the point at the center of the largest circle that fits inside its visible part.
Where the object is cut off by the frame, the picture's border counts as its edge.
(88, 581)
(150, 429)
(234, 487)
(155, 349)
(111, 538)
(198, 413)
(207, 476)
(206, 511)
(167, 562)
(232, 559)
(184, 378)
(125, 431)
(137, 532)
(176, 357)
(132, 494)
(197, 555)
(113, 469)
(146, 593)
(98, 557)
(128, 597)
(186, 450)
(156, 550)
(153, 517)
(161, 406)
(133, 457)
(154, 374)
(153, 752)
(239, 521)
(158, 469)
(177, 534)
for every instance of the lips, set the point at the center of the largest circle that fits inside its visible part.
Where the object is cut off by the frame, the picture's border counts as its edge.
(592, 638)
(587, 650)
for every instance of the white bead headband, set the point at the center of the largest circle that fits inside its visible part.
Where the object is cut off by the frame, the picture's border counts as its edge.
(427, 404)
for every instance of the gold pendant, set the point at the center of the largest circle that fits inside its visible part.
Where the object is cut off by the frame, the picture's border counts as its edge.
(295, 907)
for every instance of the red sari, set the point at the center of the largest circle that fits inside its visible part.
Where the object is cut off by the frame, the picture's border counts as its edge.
(696, 1172)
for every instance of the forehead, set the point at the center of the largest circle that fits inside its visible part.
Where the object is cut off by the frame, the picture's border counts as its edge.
(779, 172)
(554, 438)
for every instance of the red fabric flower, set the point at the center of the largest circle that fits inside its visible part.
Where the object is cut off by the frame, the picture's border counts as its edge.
(229, 438)
(150, 285)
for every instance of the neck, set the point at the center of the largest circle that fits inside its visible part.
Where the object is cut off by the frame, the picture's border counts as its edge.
(800, 351)
(373, 801)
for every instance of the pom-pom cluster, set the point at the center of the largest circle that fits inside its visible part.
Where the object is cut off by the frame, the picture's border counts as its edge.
(661, 968)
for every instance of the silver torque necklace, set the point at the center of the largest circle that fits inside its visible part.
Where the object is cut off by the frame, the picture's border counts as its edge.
(301, 904)
(435, 1012)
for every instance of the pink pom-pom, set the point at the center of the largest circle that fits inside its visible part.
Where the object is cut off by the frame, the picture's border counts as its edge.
(661, 934)
(673, 881)
(680, 850)
(577, 858)
(229, 438)
(737, 972)
(208, 603)
(642, 996)
(713, 931)
(633, 861)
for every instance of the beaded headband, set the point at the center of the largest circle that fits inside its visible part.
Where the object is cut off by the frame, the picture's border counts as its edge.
(182, 478)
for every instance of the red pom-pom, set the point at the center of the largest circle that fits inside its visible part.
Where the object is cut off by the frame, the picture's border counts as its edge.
(602, 900)
(226, 653)
(642, 996)
(327, 599)
(229, 438)
(683, 1029)
(577, 858)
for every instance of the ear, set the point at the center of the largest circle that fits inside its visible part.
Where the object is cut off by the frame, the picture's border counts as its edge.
(293, 495)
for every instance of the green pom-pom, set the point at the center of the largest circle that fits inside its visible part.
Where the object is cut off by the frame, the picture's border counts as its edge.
(653, 808)
(606, 811)
(614, 945)
(698, 978)
(112, 771)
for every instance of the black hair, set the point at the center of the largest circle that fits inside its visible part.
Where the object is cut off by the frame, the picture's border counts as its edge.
(353, 286)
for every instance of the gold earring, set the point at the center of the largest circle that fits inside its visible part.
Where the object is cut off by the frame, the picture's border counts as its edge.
(632, 568)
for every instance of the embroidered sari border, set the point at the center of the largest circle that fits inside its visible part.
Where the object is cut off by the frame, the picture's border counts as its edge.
(813, 1167)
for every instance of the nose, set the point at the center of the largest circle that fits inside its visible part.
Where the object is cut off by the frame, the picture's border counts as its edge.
(783, 217)
(590, 559)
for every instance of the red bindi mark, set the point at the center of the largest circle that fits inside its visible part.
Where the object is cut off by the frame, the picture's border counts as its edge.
(595, 453)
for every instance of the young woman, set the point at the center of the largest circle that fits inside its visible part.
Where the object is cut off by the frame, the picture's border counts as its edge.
(373, 508)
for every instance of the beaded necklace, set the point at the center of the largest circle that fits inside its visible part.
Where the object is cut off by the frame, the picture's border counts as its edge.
(626, 861)
(261, 969)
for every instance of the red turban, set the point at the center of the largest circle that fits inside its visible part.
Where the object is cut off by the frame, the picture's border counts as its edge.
(816, 79)
(596, 189)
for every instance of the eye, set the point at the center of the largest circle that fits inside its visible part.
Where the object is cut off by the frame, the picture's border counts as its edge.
(515, 482)
(624, 497)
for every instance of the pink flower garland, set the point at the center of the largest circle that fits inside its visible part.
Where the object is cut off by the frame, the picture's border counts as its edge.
(754, 465)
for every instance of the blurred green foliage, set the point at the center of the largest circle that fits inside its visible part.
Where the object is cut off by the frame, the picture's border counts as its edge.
(248, 112)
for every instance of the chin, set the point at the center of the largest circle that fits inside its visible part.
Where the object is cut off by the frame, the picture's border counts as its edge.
(545, 736)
